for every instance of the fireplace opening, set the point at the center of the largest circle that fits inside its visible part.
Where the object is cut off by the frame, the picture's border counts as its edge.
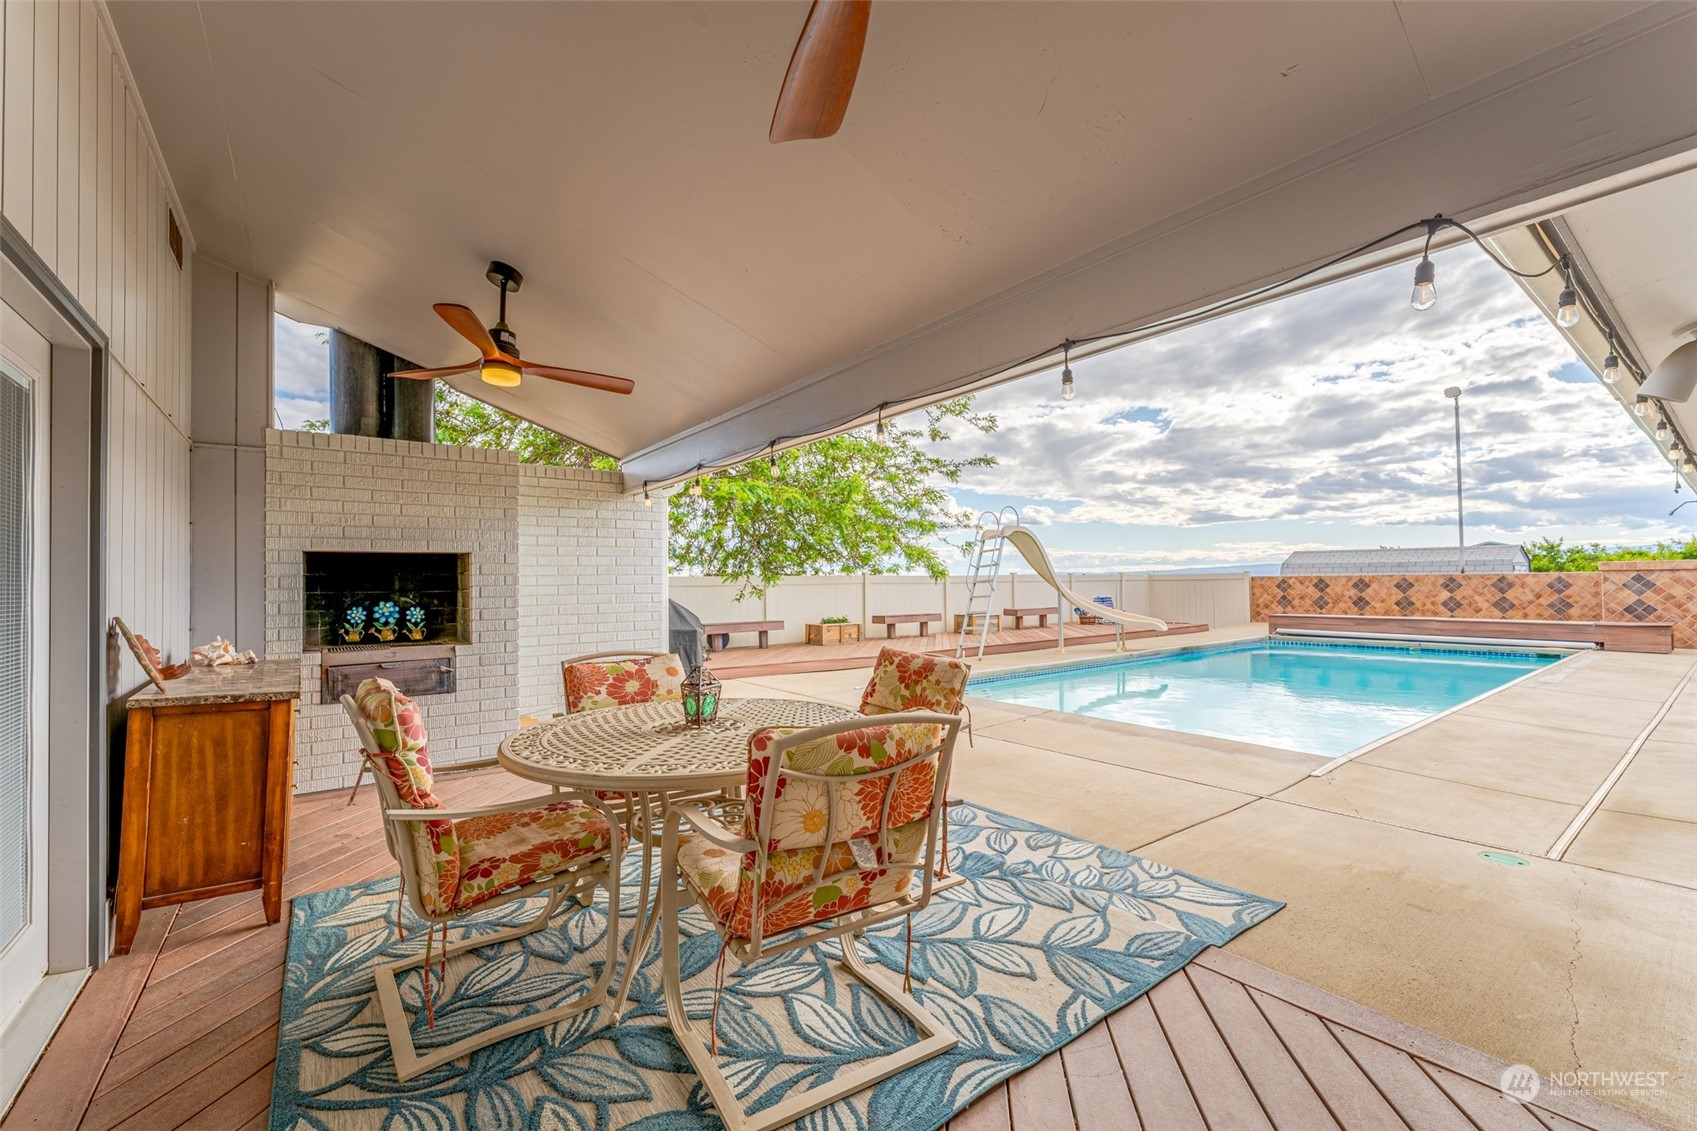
(387, 599)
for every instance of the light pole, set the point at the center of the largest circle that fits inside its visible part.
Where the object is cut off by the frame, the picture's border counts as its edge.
(1454, 394)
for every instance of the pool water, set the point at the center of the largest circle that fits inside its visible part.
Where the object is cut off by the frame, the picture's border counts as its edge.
(1315, 698)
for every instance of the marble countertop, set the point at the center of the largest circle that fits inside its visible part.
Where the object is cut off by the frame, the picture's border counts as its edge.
(232, 683)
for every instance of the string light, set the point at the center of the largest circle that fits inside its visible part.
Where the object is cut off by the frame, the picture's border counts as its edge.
(1662, 429)
(879, 431)
(1687, 465)
(1066, 370)
(1567, 303)
(1611, 363)
(695, 487)
(772, 461)
(1641, 406)
(1675, 452)
(646, 500)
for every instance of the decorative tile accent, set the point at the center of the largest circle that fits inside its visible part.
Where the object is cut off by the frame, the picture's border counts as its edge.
(1559, 584)
(1502, 584)
(1361, 585)
(1405, 606)
(1451, 605)
(1639, 584)
(1322, 584)
(1451, 584)
(1503, 605)
(1403, 585)
(1361, 604)
(1561, 606)
(1322, 604)
(1639, 609)
(1283, 585)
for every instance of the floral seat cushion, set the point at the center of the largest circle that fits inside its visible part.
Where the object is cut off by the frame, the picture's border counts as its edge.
(593, 685)
(498, 851)
(804, 811)
(403, 757)
(908, 681)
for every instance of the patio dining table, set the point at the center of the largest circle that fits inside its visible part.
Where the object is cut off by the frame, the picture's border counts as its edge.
(646, 753)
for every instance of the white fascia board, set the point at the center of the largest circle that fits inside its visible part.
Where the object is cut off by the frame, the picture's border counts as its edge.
(1513, 148)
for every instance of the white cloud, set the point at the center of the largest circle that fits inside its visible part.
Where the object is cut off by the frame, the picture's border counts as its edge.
(300, 372)
(1328, 408)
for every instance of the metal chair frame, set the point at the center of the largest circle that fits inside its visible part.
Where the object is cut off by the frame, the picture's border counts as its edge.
(577, 883)
(935, 1037)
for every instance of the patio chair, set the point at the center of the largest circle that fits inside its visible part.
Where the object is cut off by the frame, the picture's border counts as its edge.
(909, 681)
(455, 862)
(840, 821)
(620, 679)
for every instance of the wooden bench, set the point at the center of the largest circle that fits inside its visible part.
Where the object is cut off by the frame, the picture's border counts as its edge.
(890, 620)
(1042, 614)
(721, 631)
(1613, 636)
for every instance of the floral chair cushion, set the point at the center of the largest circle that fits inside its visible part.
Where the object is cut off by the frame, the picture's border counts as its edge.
(908, 681)
(801, 813)
(403, 756)
(620, 683)
(502, 850)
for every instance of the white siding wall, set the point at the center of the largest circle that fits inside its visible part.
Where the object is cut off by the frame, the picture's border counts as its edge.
(82, 180)
(1216, 599)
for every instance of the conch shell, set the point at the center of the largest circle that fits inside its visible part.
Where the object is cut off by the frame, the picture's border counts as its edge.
(221, 652)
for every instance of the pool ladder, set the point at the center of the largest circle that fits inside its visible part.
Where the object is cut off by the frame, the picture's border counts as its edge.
(981, 578)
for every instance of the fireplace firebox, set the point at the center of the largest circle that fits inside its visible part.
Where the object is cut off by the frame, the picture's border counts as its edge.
(387, 600)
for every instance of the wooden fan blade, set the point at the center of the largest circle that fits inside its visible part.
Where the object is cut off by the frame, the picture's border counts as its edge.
(427, 374)
(816, 89)
(468, 326)
(579, 377)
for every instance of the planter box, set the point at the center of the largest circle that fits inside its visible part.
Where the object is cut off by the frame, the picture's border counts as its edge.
(833, 633)
(978, 622)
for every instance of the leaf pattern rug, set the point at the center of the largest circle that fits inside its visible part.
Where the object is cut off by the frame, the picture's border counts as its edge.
(1048, 935)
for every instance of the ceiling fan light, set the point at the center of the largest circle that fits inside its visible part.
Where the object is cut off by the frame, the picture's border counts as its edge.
(503, 374)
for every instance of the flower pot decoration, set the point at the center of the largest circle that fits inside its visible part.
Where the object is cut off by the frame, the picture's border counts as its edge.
(415, 623)
(700, 697)
(353, 624)
(384, 618)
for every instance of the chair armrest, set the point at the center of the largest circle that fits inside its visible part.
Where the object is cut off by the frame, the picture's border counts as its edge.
(518, 806)
(707, 827)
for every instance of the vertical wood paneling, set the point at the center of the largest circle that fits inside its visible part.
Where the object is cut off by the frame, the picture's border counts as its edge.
(44, 236)
(17, 179)
(67, 183)
(80, 178)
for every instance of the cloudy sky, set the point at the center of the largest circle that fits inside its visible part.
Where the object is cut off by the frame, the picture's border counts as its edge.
(1317, 421)
(1320, 421)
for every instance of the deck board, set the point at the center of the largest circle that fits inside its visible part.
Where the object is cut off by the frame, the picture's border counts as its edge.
(182, 1032)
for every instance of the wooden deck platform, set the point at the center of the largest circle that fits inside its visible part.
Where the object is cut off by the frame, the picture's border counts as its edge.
(791, 659)
(182, 1033)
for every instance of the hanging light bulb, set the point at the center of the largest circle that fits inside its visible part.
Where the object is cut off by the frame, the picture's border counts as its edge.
(1425, 285)
(1066, 372)
(646, 500)
(1611, 363)
(1687, 465)
(1567, 303)
(695, 484)
(1662, 429)
(878, 433)
(1641, 406)
(1675, 452)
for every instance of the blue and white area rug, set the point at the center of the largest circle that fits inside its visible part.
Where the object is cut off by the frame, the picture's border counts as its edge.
(1047, 936)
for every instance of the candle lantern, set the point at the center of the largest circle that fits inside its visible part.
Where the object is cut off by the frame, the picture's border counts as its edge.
(701, 697)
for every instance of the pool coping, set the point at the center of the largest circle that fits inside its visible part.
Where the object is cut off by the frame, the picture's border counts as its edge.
(1568, 656)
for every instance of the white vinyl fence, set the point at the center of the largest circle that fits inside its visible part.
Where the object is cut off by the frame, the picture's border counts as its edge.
(1214, 599)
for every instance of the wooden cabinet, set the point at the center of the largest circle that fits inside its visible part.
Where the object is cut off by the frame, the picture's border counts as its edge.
(208, 773)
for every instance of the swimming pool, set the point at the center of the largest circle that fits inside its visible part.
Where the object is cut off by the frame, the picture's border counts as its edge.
(1313, 697)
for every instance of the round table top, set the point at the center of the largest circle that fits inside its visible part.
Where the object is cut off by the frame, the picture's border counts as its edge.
(646, 747)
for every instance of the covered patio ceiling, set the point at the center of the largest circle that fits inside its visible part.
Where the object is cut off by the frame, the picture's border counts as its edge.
(1009, 175)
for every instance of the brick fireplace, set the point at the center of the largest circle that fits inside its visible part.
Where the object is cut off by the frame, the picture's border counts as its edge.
(544, 563)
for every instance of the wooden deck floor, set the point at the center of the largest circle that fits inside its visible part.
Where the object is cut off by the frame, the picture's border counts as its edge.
(791, 659)
(182, 1033)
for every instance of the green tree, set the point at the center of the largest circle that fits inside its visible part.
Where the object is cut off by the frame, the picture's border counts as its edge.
(1554, 555)
(844, 504)
(470, 423)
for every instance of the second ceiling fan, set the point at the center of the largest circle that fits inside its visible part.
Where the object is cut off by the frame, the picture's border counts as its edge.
(820, 80)
(501, 364)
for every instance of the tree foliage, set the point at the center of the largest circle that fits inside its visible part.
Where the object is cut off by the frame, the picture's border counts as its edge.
(844, 504)
(470, 423)
(1553, 555)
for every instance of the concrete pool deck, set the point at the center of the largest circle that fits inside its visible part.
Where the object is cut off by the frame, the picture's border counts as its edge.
(1586, 963)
